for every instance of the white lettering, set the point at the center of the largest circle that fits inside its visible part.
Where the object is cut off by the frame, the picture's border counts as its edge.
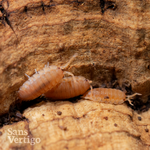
(20, 140)
(25, 132)
(11, 139)
(16, 140)
(38, 140)
(20, 132)
(10, 131)
(27, 139)
(14, 132)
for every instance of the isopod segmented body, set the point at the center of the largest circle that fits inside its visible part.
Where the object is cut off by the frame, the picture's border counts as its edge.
(42, 81)
(108, 95)
(69, 87)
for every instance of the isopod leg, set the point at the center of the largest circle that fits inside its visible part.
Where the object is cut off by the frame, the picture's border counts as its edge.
(89, 98)
(47, 65)
(91, 95)
(27, 76)
(36, 71)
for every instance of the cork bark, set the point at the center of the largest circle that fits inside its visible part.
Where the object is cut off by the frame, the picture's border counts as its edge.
(82, 125)
(112, 39)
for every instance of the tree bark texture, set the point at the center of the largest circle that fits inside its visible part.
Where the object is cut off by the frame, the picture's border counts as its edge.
(82, 125)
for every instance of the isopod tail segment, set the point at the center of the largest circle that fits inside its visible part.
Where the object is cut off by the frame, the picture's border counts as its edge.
(42, 81)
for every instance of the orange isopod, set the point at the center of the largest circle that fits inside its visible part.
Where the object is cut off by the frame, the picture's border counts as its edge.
(69, 87)
(42, 81)
(108, 95)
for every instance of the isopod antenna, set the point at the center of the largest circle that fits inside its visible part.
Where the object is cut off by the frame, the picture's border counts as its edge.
(65, 66)
(129, 97)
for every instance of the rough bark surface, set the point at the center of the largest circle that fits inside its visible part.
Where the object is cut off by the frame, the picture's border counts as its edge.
(82, 125)
(113, 42)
